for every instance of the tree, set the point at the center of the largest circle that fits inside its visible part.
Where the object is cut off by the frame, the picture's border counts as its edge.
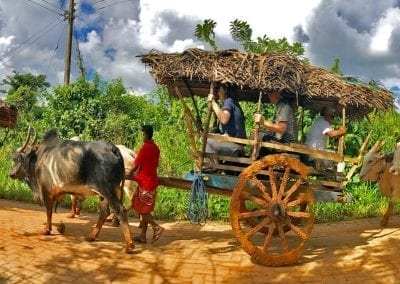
(241, 32)
(206, 32)
(336, 66)
(26, 92)
(35, 82)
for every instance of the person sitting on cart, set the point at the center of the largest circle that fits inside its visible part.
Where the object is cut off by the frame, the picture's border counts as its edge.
(320, 130)
(232, 122)
(283, 128)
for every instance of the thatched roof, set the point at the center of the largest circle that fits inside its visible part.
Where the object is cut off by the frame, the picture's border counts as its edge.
(8, 115)
(192, 71)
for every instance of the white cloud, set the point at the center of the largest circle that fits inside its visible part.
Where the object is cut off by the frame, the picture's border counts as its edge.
(111, 38)
(383, 31)
(274, 18)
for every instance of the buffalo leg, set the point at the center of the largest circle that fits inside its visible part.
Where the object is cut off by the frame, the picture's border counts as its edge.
(49, 213)
(122, 215)
(75, 209)
(103, 204)
(385, 219)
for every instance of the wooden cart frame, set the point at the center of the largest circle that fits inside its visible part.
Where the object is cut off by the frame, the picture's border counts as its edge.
(272, 198)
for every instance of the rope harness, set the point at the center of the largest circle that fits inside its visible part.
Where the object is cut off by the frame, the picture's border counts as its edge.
(198, 209)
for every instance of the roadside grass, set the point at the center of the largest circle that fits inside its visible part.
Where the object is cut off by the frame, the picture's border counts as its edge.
(172, 204)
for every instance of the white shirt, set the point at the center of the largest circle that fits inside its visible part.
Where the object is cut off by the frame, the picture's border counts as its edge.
(316, 137)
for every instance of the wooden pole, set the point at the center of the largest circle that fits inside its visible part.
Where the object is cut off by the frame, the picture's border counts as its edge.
(206, 126)
(257, 130)
(257, 126)
(341, 139)
(189, 122)
(70, 17)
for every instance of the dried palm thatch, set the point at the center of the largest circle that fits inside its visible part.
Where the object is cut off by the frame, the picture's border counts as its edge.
(192, 71)
(8, 115)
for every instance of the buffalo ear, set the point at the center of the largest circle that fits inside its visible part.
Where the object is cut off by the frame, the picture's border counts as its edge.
(30, 151)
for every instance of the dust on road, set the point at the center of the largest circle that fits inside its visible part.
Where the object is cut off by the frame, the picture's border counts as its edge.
(354, 252)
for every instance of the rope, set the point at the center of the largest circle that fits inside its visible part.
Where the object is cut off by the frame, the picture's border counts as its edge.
(198, 209)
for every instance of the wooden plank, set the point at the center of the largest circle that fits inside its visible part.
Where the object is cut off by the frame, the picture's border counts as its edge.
(292, 147)
(179, 183)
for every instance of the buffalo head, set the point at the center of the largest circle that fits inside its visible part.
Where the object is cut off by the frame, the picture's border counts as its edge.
(373, 163)
(23, 158)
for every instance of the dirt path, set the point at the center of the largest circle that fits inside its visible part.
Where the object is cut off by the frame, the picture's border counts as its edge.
(345, 252)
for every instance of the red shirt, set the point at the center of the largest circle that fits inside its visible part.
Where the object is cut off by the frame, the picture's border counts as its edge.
(147, 159)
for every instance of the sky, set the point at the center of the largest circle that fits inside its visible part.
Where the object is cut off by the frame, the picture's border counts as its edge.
(109, 34)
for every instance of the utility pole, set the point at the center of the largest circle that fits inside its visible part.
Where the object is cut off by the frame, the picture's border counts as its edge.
(69, 16)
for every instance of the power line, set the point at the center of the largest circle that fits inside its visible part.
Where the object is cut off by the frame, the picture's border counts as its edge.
(113, 4)
(81, 66)
(8, 58)
(51, 4)
(56, 12)
(98, 2)
(54, 52)
(27, 41)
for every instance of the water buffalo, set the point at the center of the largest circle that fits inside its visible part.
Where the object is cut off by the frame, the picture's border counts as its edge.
(128, 156)
(56, 167)
(381, 167)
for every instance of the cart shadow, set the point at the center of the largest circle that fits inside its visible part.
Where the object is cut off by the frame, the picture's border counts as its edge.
(322, 245)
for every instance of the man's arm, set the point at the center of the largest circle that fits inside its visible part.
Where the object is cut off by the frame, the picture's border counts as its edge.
(279, 127)
(337, 133)
(222, 115)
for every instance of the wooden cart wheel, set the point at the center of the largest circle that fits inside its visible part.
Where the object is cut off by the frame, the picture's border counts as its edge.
(276, 188)
(255, 221)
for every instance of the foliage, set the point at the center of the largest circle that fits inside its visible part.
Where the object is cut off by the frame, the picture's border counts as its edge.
(26, 91)
(336, 66)
(384, 125)
(105, 110)
(16, 80)
(242, 32)
(206, 32)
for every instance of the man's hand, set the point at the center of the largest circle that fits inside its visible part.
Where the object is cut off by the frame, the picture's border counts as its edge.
(258, 118)
(342, 130)
(210, 97)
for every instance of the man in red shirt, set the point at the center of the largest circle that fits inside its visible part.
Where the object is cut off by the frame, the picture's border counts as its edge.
(145, 174)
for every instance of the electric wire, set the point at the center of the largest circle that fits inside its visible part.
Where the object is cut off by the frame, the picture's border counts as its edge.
(7, 58)
(98, 2)
(44, 7)
(113, 4)
(51, 4)
(54, 51)
(27, 41)
(81, 67)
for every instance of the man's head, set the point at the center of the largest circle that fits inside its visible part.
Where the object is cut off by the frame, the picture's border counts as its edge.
(147, 131)
(227, 91)
(274, 97)
(328, 113)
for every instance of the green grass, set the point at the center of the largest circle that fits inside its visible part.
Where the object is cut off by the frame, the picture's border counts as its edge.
(172, 204)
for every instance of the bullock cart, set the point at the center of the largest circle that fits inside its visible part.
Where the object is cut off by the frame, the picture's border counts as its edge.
(271, 207)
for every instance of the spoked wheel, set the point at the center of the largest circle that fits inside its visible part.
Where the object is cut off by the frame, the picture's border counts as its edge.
(273, 197)
(255, 221)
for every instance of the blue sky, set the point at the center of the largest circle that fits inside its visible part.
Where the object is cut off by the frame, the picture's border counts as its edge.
(363, 34)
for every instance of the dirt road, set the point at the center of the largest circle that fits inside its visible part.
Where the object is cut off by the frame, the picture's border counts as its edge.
(346, 252)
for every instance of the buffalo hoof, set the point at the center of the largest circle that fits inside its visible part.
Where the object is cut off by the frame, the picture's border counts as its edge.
(45, 232)
(70, 215)
(61, 228)
(129, 248)
(90, 238)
